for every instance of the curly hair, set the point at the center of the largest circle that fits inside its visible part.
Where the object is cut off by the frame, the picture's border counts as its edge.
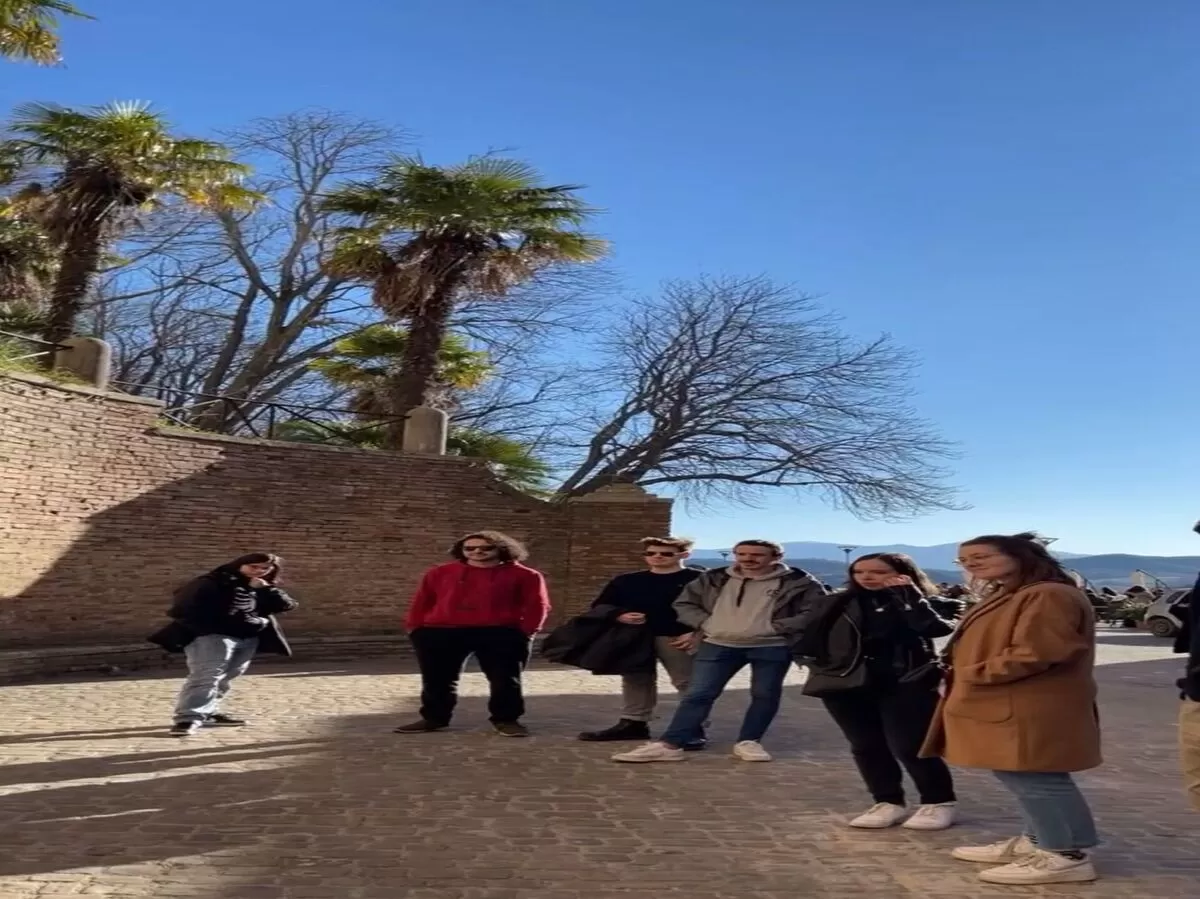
(899, 563)
(511, 549)
(1034, 562)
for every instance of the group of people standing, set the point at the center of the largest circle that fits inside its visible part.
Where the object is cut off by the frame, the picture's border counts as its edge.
(1012, 691)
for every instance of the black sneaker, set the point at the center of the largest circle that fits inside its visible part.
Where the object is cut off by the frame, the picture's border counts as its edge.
(219, 720)
(625, 729)
(510, 728)
(695, 745)
(420, 726)
(184, 728)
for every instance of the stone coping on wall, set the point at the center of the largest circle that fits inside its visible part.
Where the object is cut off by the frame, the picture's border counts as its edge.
(119, 658)
(84, 390)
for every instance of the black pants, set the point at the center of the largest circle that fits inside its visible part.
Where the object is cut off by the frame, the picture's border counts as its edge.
(443, 651)
(886, 725)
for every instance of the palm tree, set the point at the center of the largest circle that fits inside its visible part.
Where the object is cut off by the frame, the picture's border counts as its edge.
(511, 461)
(106, 166)
(365, 361)
(28, 28)
(428, 236)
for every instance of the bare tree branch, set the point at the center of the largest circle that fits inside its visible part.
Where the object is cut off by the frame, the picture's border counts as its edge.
(253, 280)
(725, 387)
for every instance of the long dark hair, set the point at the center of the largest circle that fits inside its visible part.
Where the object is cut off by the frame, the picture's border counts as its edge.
(511, 549)
(235, 567)
(1035, 564)
(901, 564)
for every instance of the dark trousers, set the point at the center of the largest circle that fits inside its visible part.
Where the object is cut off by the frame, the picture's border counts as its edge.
(886, 725)
(442, 652)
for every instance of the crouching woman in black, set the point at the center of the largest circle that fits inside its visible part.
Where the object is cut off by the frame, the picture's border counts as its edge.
(221, 620)
(872, 663)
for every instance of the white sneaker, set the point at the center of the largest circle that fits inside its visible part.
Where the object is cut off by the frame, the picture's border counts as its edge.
(751, 751)
(879, 816)
(1042, 867)
(996, 853)
(650, 752)
(932, 817)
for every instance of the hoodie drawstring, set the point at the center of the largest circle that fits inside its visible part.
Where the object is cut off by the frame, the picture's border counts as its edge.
(741, 593)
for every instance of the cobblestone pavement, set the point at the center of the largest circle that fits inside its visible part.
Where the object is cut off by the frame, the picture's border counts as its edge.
(319, 800)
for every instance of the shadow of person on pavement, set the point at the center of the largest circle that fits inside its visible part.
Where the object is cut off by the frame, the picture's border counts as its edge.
(75, 736)
(136, 763)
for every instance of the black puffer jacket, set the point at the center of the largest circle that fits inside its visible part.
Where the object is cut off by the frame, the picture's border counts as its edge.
(830, 639)
(223, 602)
(597, 642)
(1188, 641)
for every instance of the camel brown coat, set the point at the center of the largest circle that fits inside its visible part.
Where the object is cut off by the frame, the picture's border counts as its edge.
(1020, 693)
(1189, 748)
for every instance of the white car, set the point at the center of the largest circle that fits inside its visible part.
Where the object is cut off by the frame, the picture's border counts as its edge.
(1165, 616)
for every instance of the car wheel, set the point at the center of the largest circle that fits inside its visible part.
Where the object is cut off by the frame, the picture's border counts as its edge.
(1162, 627)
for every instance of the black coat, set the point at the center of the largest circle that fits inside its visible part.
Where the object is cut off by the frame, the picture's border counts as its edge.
(595, 641)
(1188, 641)
(223, 602)
(829, 641)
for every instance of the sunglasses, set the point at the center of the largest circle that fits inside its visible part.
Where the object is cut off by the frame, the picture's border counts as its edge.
(479, 548)
(667, 554)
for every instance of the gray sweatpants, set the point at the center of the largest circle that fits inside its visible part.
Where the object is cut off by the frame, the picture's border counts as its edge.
(639, 692)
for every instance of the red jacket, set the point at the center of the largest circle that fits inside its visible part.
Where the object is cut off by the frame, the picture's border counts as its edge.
(460, 595)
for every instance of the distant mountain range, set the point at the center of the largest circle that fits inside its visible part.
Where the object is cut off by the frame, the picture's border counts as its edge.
(827, 561)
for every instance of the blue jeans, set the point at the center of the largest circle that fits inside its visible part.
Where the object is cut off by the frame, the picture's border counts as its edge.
(1057, 817)
(213, 662)
(713, 668)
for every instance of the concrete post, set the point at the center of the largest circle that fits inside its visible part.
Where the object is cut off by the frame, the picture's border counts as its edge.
(425, 431)
(88, 357)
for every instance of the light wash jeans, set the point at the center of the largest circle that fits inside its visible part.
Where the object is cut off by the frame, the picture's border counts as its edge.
(1057, 817)
(213, 662)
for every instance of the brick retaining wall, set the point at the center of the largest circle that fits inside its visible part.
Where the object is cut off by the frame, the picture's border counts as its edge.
(103, 513)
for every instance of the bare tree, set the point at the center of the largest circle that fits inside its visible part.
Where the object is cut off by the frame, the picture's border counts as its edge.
(724, 387)
(252, 282)
(525, 399)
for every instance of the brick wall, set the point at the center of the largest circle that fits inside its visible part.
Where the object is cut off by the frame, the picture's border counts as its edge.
(102, 514)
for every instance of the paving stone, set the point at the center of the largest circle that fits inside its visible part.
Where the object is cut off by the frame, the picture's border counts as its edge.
(319, 799)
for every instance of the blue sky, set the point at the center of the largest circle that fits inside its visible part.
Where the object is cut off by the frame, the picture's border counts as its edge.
(1010, 189)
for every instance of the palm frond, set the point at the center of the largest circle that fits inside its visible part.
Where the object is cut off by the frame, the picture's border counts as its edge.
(99, 169)
(510, 460)
(359, 253)
(28, 261)
(28, 28)
(428, 234)
(369, 357)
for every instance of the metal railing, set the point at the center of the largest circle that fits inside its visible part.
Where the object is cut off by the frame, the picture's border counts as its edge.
(47, 348)
(240, 416)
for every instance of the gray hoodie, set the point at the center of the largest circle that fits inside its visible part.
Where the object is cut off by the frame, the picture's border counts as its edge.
(731, 609)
